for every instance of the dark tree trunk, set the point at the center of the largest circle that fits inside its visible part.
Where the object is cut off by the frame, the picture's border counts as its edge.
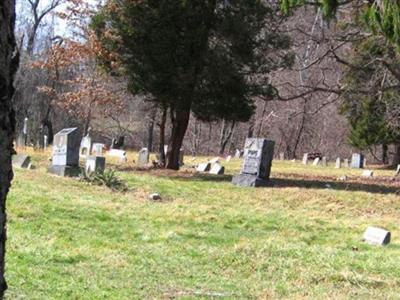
(180, 122)
(150, 128)
(252, 124)
(396, 156)
(385, 157)
(162, 136)
(8, 67)
(226, 134)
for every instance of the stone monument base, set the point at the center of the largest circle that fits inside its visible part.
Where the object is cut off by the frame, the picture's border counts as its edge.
(250, 181)
(64, 171)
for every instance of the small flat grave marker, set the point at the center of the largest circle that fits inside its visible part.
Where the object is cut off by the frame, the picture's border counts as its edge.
(21, 161)
(217, 169)
(204, 167)
(367, 174)
(376, 236)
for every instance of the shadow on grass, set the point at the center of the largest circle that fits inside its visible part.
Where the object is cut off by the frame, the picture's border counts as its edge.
(370, 187)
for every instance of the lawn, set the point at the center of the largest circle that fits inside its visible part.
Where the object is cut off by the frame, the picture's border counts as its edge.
(207, 239)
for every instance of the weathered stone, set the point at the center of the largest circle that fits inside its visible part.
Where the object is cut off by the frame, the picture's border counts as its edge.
(346, 163)
(377, 236)
(305, 158)
(65, 160)
(143, 158)
(155, 197)
(398, 170)
(324, 162)
(228, 158)
(257, 163)
(316, 161)
(338, 164)
(238, 153)
(204, 167)
(21, 161)
(97, 149)
(95, 164)
(217, 169)
(121, 154)
(367, 173)
(357, 161)
(86, 147)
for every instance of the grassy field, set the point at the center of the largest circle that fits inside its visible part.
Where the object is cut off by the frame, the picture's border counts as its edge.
(207, 239)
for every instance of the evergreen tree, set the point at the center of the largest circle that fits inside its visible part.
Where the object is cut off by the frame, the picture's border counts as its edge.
(208, 57)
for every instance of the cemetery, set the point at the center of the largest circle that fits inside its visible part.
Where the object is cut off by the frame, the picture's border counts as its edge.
(187, 149)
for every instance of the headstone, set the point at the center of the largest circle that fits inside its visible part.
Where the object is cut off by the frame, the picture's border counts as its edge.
(45, 142)
(214, 160)
(282, 156)
(181, 157)
(346, 163)
(367, 173)
(65, 161)
(143, 158)
(257, 163)
(338, 164)
(217, 169)
(155, 197)
(205, 167)
(165, 149)
(95, 164)
(238, 153)
(21, 161)
(121, 154)
(86, 146)
(365, 163)
(357, 161)
(97, 149)
(376, 236)
(316, 161)
(305, 158)
(25, 131)
(324, 163)
(228, 158)
(398, 170)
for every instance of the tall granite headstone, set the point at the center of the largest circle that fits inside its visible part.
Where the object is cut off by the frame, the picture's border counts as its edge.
(257, 163)
(357, 161)
(65, 160)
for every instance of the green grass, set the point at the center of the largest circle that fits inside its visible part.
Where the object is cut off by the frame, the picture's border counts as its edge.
(207, 240)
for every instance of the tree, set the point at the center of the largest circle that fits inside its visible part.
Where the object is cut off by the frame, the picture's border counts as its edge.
(8, 67)
(369, 93)
(207, 57)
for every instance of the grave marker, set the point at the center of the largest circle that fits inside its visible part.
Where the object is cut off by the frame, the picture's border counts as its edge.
(257, 163)
(86, 146)
(324, 162)
(21, 161)
(143, 158)
(228, 158)
(97, 149)
(338, 164)
(357, 161)
(204, 167)
(95, 164)
(346, 163)
(367, 174)
(305, 158)
(316, 161)
(65, 160)
(217, 169)
(376, 236)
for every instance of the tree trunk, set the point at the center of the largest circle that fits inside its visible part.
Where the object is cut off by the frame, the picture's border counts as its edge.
(8, 67)
(385, 157)
(162, 137)
(226, 134)
(150, 129)
(396, 156)
(180, 122)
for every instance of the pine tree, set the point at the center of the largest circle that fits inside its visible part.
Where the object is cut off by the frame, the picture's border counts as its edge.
(207, 57)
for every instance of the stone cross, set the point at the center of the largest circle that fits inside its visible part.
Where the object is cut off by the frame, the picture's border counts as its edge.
(257, 163)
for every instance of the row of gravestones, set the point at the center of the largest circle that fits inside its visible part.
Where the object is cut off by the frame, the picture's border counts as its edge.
(357, 161)
(213, 167)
